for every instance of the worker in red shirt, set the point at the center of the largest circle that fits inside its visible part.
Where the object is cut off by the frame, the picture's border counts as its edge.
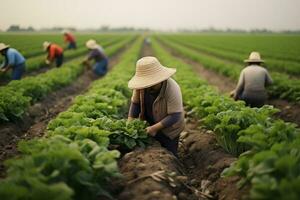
(55, 52)
(70, 39)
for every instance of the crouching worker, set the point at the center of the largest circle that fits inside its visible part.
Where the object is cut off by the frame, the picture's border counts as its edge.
(13, 60)
(252, 83)
(55, 52)
(69, 39)
(97, 54)
(157, 99)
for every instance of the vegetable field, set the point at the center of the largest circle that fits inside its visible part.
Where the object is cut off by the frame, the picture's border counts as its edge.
(64, 132)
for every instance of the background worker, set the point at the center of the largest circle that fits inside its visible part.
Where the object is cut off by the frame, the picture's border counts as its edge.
(252, 83)
(13, 60)
(55, 52)
(69, 39)
(157, 99)
(97, 54)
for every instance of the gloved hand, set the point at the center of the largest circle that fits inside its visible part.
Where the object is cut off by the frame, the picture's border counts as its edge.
(47, 62)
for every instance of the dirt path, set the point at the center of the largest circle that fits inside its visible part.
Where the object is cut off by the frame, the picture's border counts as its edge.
(35, 121)
(289, 112)
(204, 161)
(195, 175)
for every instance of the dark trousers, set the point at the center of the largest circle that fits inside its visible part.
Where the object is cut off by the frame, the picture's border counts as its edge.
(72, 45)
(59, 60)
(18, 71)
(166, 142)
(253, 99)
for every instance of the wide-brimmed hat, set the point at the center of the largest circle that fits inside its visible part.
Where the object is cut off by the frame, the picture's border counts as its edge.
(65, 31)
(254, 57)
(91, 44)
(46, 45)
(3, 46)
(149, 72)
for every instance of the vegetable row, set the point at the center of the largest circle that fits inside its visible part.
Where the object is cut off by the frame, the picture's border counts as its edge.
(73, 160)
(268, 149)
(283, 87)
(17, 96)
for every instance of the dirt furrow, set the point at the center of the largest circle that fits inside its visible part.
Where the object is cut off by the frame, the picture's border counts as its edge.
(289, 112)
(195, 175)
(35, 120)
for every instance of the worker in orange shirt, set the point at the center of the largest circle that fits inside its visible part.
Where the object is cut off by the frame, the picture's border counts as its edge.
(55, 52)
(70, 39)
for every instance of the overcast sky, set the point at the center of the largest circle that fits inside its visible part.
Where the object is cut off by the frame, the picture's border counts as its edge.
(156, 14)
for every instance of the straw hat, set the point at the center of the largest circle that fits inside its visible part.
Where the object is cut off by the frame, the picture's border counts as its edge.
(149, 72)
(65, 32)
(46, 45)
(254, 57)
(3, 46)
(91, 44)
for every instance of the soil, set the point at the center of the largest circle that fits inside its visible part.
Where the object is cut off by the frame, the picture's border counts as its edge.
(195, 174)
(35, 120)
(289, 112)
(204, 161)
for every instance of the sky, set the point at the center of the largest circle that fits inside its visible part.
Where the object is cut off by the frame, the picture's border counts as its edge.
(155, 14)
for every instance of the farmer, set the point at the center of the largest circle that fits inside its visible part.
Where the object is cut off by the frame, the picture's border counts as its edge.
(252, 82)
(157, 99)
(70, 39)
(55, 52)
(97, 54)
(13, 60)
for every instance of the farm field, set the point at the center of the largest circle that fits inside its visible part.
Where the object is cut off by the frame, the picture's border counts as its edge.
(64, 132)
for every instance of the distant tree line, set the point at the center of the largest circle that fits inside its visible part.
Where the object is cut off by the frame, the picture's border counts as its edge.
(106, 28)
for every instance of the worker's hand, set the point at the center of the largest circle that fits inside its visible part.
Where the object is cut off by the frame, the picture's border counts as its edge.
(232, 93)
(129, 119)
(4, 69)
(151, 130)
(47, 62)
(135, 96)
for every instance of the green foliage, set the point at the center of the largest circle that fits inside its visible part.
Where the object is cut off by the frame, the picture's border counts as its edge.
(283, 87)
(81, 166)
(16, 97)
(124, 133)
(269, 149)
(72, 161)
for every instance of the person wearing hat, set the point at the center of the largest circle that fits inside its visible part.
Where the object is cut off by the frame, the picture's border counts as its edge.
(157, 99)
(252, 82)
(69, 39)
(97, 54)
(55, 52)
(13, 60)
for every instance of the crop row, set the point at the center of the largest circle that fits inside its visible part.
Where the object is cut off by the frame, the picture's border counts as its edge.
(283, 87)
(30, 45)
(268, 149)
(275, 47)
(73, 160)
(291, 68)
(38, 62)
(17, 96)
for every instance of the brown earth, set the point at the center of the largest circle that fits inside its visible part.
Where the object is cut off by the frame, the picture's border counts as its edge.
(194, 175)
(35, 121)
(289, 112)
(204, 161)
